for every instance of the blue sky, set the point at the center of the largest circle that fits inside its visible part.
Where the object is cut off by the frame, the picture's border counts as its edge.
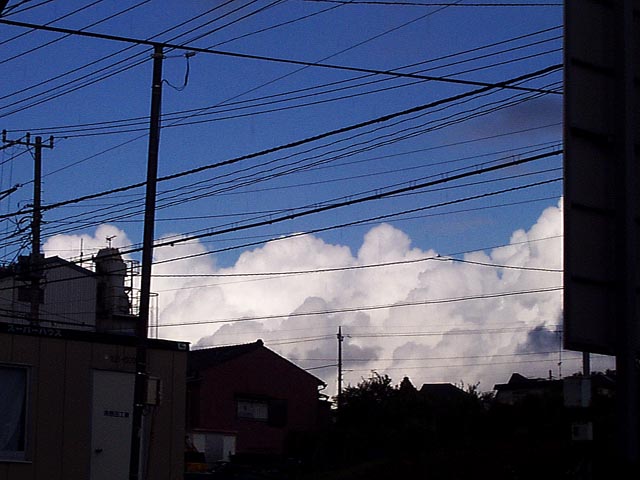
(234, 107)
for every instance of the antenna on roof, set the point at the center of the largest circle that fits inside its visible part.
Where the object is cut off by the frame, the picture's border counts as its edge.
(81, 250)
(109, 238)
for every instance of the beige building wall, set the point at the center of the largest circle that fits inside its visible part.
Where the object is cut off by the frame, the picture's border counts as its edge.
(59, 402)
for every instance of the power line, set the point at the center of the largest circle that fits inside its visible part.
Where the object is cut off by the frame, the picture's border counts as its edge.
(426, 367)
(69, 32)
(363, 308)
(297, 143)
(59, 130)
(131, 57)
(118, 127)
(407, 66)
(317, 230)
(117, 38)
(332, 227)
(451, 212)
(367, 198)
(355, 267)
(122, 215)
(409, 359)
(439, 4)
(15, 37)
(9, 10)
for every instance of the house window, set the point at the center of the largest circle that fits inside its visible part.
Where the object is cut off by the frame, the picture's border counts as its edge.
(252, 408)
(272, 411)
(13, 406)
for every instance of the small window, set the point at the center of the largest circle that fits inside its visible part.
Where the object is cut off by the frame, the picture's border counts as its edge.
(13, 406)
(252, 409)
(270, 410)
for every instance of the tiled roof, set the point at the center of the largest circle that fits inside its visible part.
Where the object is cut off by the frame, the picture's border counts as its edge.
(217, 355)
(208, 357)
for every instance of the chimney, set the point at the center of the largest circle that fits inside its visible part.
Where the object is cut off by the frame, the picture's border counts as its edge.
(111, 271)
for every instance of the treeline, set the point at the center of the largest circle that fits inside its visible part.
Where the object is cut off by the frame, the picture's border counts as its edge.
(382, 430)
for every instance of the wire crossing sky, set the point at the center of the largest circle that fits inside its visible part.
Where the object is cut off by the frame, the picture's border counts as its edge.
(305, 136)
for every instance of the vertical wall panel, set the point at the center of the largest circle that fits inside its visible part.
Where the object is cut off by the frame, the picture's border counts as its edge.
(50, 415)
(77, 412)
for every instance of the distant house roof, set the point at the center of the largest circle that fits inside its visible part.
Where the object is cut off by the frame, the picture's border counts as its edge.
(518, 381)
(208, 357)
(444, 392)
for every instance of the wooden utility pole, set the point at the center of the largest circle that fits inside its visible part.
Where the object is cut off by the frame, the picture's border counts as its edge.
(147, 260)
(340, 340)
(35, 271)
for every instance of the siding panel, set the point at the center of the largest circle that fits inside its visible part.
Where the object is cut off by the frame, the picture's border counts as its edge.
(77, 412)
(50, 414)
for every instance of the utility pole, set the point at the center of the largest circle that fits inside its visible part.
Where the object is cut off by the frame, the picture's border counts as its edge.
(35, 272)
(147, 260)
(340, 340)
(586, 364)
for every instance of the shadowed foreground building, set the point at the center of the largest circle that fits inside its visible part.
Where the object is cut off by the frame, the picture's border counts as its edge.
(66, 382)
(249, 401)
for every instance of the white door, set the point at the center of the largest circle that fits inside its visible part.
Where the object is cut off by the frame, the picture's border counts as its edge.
(111, 424)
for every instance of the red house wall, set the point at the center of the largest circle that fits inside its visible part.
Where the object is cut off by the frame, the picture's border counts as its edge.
(260, 373)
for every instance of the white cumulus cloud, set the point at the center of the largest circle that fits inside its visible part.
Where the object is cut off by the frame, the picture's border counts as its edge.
(425, 316)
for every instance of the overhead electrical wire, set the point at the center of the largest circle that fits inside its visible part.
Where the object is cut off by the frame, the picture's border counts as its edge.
(343, 225)
(316, 204)
(127, 67)
(303, 67)
(51, 42)
(232, 22)
(9, 10)
(119, 71)
(331, 227)
(467, 365)
(95, 217)
(421, 359)
(137, 126)
(165, 31)
(51, 79)
(275, 26)
(70, 14)
(366, 198)
(436, 258)
(285, 212)
(365, 308)
(426, 149)
(60, 130)
(317, 230)
(440, 4)
(368, 221)
(443, 57)
(235, 185)
(162, 197)
(272, 59)
(297, 143)
(480, 248)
